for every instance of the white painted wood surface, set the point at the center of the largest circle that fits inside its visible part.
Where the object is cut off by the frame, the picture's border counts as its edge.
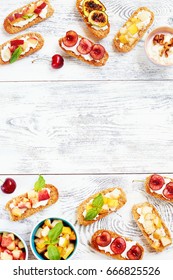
(73, 190)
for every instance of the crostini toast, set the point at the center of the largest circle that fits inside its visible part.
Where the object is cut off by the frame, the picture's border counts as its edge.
(116, 246)
(27, 16)
(83, 49)
(152, 226)
(32, 202)
(20, 47)
(94, 15)
(100, 205)
(133, 30)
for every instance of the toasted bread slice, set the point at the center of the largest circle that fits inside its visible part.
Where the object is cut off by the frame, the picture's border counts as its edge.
(98, 32)
(160, 193)
(30, 51)
(53, 198)
(126, 44)
(83, 58)
(121, 200)
(109, 253)
(152, 226)
(9, 26)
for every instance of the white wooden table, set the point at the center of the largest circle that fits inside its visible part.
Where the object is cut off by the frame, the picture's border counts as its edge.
(110, 124)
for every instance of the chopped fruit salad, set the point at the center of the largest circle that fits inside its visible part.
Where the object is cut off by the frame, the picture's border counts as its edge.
(118, 246)
(95, 12)
(39, 196)
(130, 32)
(82, 46)
(54, 240)
(11, 247)
(28, 14)
(161, 185)
(153, 226)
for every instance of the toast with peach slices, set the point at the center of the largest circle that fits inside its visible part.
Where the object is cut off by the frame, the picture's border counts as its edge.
(100, 205)
(152, 226)
(23, 206)
(94, 15)
(113, 245)
(20, 47)
(83, 49)
(160, 187)
(28, 16)
(133, 30)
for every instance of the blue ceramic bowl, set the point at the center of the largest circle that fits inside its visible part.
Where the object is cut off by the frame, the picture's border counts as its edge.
(20, 238)
(33, 237)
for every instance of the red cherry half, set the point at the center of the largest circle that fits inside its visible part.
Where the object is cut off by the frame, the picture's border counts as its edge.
(85, 46)
(118, 245)
(168, 191)
(134, 253)
(71, 38)
(8, 186)
(57, 61)
(104, 239)
(97, 52)
(156, 182)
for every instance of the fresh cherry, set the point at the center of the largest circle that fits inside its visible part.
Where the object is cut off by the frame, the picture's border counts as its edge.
(97, 52)
(104, 239)
(8, 186)
(85, 46)
(57, 61)
(134, 253)
(118, 245)
(71, 38)
(168, 191)
(156, 182)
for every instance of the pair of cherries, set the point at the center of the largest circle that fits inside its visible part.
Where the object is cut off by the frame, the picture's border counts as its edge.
(157, 182)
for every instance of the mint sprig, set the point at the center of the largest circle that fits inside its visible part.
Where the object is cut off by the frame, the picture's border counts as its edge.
(97, 205)
(16, 54)
(40, 184)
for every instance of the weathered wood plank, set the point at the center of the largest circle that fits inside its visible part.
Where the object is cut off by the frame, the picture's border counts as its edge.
(86, 127)
(131, 66)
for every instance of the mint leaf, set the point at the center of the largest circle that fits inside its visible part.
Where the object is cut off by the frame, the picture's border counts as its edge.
(91, 214)
(53, 252)
(40, 184)
(27, 16)
(55, 232)
(16, 54)
(98, 201)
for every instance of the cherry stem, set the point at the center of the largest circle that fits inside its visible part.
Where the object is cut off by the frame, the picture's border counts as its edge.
(40, 59)
(140, 181)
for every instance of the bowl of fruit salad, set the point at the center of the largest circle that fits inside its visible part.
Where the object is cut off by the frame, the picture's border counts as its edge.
(53, 239)
(12, 246)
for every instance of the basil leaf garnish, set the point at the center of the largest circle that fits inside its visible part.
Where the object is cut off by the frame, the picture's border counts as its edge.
(55, 232)
(16, 54)
(27, 16)
(98, 201)
(91, 214)
(40, 184)
(53, 252)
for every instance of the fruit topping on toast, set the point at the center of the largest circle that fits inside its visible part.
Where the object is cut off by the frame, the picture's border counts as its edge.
(111, 244)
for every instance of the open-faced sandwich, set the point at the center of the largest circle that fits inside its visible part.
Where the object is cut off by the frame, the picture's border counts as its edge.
(133, 30)
(83, 49)
(100, 205)
(95, 16)
(152, 226)
(37, 199)
(20, 47)
(160, 187)
(115, 246)
(28, 16)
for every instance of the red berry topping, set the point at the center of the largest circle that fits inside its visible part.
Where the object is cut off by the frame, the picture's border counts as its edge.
(8, 186)
(11, 18)
(134, 253)
(43, 195)
(85, 46)
(156, 182)
(37, 11)
(168, 191)
(42, 6)
(57, 61)
(104, 239)
(71, 38)
(118, 245)
(17, 43)
(97, 52)
(17, 15)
